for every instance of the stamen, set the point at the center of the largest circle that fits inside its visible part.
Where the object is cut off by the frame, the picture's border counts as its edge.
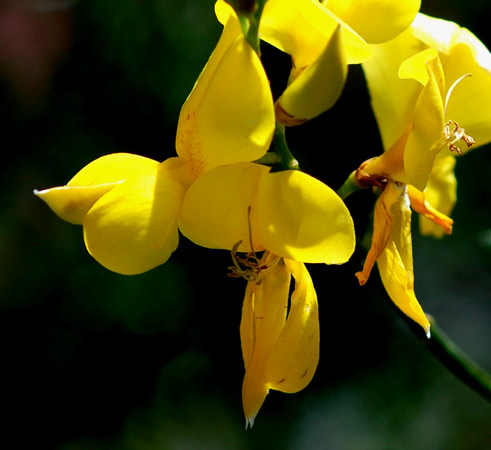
(453, 134)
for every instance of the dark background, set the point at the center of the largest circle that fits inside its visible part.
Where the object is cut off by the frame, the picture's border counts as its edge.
(92, 360)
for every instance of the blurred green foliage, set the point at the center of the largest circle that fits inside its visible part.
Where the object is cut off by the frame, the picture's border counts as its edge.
(95, 360)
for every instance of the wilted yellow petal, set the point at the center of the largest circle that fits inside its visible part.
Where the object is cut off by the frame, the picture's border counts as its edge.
(395, 264)
(299, 217)
(73, 201)
(319, 86)
(295, 354)
(441, 192)
(216, 209)
(229, 115)
(376, 20)
(421, 205)
(382, 231)
(133, 227)
(263, 317)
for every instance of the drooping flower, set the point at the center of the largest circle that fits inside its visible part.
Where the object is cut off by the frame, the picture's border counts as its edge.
(422, 96)
(129, 205)
(280, 344)
(323, 38)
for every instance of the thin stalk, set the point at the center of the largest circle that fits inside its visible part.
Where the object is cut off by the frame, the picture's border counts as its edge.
(287, 160)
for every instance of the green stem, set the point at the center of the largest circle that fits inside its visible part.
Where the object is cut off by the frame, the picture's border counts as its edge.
(349, 186)
(287, 160)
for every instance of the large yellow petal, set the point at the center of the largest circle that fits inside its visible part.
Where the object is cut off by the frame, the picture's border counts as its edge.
(319, 86)
(263, 317)
(300, 218)
(229, 115)
(302, 29)
(133, 227)
(216, 211)
(395, 264)
(295, 354)
(376, 20)
(73, 201)
(393, 99)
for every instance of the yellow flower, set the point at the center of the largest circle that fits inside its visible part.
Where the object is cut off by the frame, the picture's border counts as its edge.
(420, 88)
(422, 97)
(323, 38)
(129, 206)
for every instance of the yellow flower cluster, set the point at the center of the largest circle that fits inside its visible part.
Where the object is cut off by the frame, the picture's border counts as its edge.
(220, 192)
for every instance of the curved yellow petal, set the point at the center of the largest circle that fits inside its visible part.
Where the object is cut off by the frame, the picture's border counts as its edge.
(426, 138)
(216, 212)
(263, 317)
(229, 115)
(395, 263)
(441, 193)
(300, 218)
(73, 201)
(302, 29)
(376, 20)
(295, 354)
(319, 86)
(393, 99)
(133, 227)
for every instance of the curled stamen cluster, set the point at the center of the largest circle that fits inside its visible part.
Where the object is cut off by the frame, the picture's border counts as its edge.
(250, 267)
(453, 134)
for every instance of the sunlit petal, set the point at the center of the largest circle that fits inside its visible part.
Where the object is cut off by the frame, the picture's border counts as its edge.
(302, 28)
(133, 227)
(73, 201)
(299, 217)
(229, 115)
(216, 212)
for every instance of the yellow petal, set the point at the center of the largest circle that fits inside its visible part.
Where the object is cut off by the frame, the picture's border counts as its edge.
(422, 206)
(395, 264)
(216, 209)
(73, 201)
(319, 86)
(376, 20)
(263, 317)
(425, 139)
(441, 192)
(133, 227)
(300, 218)
(393, 99)
(295, 354)
(302, 28)
(229, 115)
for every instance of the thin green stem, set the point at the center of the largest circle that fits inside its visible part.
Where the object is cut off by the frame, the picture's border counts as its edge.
(287, 160)
(349, 186)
